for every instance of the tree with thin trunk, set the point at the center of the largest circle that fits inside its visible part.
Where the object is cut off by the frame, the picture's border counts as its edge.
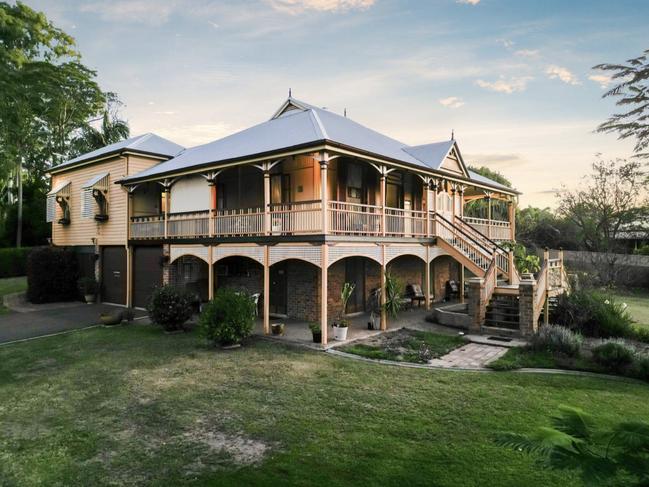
(611, 198)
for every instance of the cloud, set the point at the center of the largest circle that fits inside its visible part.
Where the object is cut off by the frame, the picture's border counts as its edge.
(496, 160)
(213, 24)
(191, 135)
(165, 112)
(468, 2)
(563, 74)
(451, 102)
(527, 52)
(507, 43)
(601, 79)
(149, 12)
(295, 7)
(504, 85)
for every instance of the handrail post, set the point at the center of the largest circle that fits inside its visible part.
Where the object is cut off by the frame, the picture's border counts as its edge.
(166, 212)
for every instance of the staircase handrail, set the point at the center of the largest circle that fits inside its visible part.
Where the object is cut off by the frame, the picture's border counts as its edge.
(465, 234)
(491, 280)
(541, 290)
(482, 235)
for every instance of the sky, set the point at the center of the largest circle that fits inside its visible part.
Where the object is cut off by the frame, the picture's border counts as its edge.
(511, 78)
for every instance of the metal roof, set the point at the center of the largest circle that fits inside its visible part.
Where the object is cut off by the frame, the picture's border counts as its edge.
(147, 144)
(302, 125)
(94, 180)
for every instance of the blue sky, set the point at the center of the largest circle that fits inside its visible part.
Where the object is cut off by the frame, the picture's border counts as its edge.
(512, 78)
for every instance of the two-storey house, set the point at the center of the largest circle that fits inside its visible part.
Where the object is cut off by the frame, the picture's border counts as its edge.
(289, 209)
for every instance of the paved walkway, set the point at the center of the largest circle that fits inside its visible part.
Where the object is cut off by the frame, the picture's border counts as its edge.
(469, 356)
(47, 321)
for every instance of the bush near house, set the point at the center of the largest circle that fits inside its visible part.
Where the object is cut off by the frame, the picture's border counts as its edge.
(594, 314)
(557, 339)
(614, 356)
(170, 307)
(228, 318)
(13, 261)
(51, 275)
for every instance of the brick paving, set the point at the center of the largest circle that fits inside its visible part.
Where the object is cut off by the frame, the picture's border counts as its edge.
(469, 356)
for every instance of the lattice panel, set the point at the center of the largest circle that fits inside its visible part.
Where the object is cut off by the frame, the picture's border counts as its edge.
(308, 253)
(195, 250)
(338, 252)
(255, 253)
(435, 252)
(394, 251)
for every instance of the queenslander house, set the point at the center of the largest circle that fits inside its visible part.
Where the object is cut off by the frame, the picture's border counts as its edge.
(290, 210)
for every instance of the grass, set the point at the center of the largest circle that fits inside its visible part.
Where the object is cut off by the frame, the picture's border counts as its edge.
(637, 301)
(131, 405)
(517, 358)
(407, 346)
(10, 285)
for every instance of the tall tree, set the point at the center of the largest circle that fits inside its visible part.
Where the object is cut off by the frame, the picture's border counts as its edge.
(111, 130)
(46, 96)
(632, 93)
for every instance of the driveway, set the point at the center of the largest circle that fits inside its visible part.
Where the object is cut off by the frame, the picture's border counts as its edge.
(52, 319)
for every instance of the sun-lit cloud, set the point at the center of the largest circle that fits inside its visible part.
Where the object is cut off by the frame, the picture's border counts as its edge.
(507, 43)
(451, 102)
(468, 2)
(563, 74)
(504, 85)
(496, 161)
(601, 79)
(165, 112)
(527, 52)
(295, 7)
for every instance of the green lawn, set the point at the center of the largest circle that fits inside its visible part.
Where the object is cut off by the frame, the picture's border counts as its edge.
(131, 405)
(11, 285)
(638, 302)
(406, 346)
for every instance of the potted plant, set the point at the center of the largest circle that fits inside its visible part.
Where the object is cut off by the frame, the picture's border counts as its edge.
(88, 287)
(111, 319)
(341, 325)
(316, 331)
(340, 330)
(277, 328)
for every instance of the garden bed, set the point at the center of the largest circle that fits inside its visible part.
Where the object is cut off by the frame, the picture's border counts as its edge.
(405, 345)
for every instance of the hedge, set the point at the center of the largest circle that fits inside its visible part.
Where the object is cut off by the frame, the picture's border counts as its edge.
(13, 261)
(52, 275)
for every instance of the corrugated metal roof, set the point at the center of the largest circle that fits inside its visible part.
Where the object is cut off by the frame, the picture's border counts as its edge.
(56, 189)
(146, 143)
(483, 179)
(300, 127)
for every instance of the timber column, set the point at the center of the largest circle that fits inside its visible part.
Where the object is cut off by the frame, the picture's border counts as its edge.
(383, 177)
(267, 226)
(324, 190)
(324, 256)
(384, 317)
(427, 277)
(266, 290)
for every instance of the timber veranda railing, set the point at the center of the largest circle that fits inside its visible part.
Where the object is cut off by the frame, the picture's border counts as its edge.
(502, 255)
(494, 229)
(306, 217)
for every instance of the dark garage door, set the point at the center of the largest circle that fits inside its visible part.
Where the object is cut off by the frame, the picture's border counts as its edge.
(113, 275)
(147, 273)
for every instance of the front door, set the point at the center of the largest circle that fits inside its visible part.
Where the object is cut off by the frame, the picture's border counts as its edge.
(355, 274)
(278, 292)
(113, 275)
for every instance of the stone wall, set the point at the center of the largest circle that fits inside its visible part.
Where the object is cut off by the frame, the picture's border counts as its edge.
(408, 269)
(303, 288)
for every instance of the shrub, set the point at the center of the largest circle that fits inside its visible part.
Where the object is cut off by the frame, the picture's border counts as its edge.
(613, 355)
(88, 286)
(13, 261)
(641, 334)
(228, 318)
(170, 307)
(557, 339)
(641, 367)
(51, 275)
(593, 314)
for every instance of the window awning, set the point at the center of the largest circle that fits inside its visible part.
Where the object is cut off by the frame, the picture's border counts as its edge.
(100, 181)
(61, 189)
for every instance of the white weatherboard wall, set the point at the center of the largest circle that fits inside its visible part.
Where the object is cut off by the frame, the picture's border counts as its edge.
(190, 193)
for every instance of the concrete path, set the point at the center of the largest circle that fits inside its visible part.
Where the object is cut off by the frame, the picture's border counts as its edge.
(469, 356)
(19, 326)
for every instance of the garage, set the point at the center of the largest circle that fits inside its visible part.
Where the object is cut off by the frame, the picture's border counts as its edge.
(147, 273)
(113, 275)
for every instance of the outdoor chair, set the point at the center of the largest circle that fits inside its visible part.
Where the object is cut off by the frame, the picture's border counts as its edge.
(414, 293)
(452, 290)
